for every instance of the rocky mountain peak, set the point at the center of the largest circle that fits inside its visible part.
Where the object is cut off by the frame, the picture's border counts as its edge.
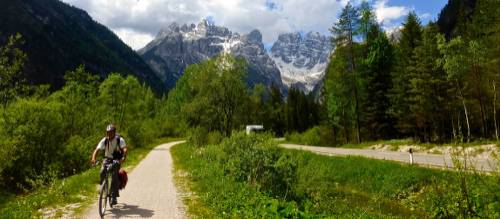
(255, 36)
(301, 58)
(176, 47)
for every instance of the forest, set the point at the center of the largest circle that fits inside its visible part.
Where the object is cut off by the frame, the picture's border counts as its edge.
(427, 82)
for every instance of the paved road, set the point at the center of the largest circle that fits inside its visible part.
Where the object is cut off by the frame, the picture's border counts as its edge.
(150, 191)
(422, 159)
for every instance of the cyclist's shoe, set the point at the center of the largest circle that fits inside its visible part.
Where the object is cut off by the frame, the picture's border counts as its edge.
(114, 201)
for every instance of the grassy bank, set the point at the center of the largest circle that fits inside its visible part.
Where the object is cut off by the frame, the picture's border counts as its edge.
(322, 136)
(250, 177)
(72, 194)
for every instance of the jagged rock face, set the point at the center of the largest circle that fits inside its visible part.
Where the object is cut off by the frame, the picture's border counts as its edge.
(176, 47)
(302, 60)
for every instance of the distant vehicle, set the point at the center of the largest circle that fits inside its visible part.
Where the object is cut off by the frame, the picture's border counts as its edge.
(254, 128)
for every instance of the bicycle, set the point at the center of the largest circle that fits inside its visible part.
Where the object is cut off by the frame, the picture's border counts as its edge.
(105, 188)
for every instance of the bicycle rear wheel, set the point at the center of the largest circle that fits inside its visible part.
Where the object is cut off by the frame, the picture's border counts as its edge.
(103, 198)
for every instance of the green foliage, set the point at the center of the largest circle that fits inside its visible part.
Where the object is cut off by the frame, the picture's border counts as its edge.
(248, 177)
(51, 135)
(316, 136)
(341, 85)
(421, 84)
(78, 189)
(198, 136)
(240, 177)
(12, 60)
(211, 94)
(301, 111)
(67, 37)
(344, 33)
(400, 96)
(378, 64)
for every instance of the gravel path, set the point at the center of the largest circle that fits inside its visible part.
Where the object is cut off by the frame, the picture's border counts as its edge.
(150, 191)
(432, 160)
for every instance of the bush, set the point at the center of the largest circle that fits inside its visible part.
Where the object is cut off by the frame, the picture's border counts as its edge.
(141, 133)
(36, 128)
(222, 192)
(248, 176)
(46, 137)
(198, 136)
(214, 137)
(257, 160)
(316, 136)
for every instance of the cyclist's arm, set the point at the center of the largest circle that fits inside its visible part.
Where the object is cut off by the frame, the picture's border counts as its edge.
(123, 146)
(125, 151)
(99, 147)
(94, 155)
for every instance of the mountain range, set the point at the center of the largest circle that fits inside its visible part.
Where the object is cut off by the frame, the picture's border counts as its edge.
(294, 60)
(59, 37)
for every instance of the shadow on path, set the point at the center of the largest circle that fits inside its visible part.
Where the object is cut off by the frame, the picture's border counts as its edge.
(124, 210)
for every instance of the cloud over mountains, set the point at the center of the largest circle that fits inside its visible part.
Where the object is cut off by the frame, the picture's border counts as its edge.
(138, 21)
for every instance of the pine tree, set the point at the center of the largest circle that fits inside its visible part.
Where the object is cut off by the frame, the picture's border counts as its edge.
(344, 32)
(411, 35)
(428, 88)
(378, 82)
(338, 95)
(367, 21)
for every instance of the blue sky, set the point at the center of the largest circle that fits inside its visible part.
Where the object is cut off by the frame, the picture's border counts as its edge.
(137, 22)
(430, 7)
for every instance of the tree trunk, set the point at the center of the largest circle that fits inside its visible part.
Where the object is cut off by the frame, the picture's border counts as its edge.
(495, 109)
(454, 132)
(466, 114)
(460, 133)
(344, 124)
(477, 76)
(355, 81)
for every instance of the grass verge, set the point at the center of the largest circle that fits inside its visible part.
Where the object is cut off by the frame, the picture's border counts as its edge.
(70, 195)
(247, 177)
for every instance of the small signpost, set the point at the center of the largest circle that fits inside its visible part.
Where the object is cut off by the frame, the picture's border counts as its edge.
(411, 155)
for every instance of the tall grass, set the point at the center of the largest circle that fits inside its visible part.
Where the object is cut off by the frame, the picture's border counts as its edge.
(248, 177)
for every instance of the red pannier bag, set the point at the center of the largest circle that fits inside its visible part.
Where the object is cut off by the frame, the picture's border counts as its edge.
(123, 178)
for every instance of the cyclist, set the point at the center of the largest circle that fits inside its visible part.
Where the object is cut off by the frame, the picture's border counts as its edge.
(114, 149)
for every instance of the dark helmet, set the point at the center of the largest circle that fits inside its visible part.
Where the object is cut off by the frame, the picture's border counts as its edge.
(110, 128)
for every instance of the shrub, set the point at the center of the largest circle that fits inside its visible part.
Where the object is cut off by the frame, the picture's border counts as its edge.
(214, 137)
(36, 128)
(257, 160)
(317, 136)
(198, 136)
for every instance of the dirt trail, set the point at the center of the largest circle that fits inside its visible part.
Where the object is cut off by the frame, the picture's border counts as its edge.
(432, 160)
(150, 191)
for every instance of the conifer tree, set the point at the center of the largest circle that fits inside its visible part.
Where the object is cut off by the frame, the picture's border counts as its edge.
(344, 32)
(378, 82)
(428, 91)
(411, 35)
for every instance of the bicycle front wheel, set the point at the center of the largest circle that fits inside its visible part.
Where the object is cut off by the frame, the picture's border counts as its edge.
(103, 198)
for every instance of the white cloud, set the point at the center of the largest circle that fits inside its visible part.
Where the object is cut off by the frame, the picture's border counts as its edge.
(389, 16)
(134, 39)
(136, 21)
(425, 16)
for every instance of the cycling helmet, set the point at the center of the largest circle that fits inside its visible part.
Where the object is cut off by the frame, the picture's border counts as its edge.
(110, 128)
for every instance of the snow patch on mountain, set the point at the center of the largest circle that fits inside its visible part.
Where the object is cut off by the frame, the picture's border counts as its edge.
(175, 47)
(291, 75)
(301, 59)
